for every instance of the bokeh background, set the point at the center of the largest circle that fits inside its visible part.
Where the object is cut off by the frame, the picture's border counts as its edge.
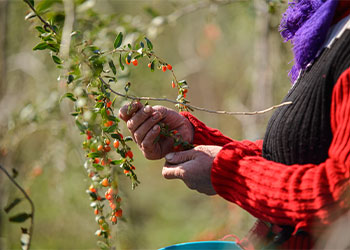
(231, 55)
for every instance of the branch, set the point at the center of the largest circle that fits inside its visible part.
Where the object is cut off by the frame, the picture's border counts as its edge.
(145, 98)
(37, 14)
(30, 233)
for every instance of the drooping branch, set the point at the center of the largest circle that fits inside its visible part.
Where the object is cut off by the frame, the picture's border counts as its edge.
(46, 24)
(30, 231)
(221, 112)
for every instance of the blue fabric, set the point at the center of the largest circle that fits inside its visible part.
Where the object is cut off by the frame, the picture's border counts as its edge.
(306, 23)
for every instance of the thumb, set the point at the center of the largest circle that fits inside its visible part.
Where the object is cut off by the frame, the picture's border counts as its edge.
(180, 157)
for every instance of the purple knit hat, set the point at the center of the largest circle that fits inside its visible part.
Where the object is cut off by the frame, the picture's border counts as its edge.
(306, 23)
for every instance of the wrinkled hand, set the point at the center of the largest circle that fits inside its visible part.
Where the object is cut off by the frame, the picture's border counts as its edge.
(142, 123)
(193, 167)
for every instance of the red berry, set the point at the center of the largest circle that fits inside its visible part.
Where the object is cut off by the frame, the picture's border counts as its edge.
(96, 211)
(97, 160)
(130, 154)
(172, 84)
(169, 67)
(107, 141)
(92, 189)
(107, 148)
(135, 62)
(149, 65)
(164, 68)
(126, 171)
(127, 62)
(100, 148)
(119, 213)
(88, 137)
(116, 144)
(105, 182)
(113, 206)
(108, 112)
(110, 123)
(109, 104)
(114, 219)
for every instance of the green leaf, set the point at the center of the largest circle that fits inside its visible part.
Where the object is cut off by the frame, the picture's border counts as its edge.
(41, 46)
(80, 126)
(149, 44)
(110, 129)
(14, 203)
(121, 62)
(31, 2)
(18, 218)
(56, 59)
(94, 155)
(103, 113)
(102, 244)
(129, 46)
(128, 138)
(98, 167)
(152, 66)
(117, 162)
(116, 136)
(70, 79)
(112, 66)
(40, 29)
(142, 44)
(118, 40)
(68, 95)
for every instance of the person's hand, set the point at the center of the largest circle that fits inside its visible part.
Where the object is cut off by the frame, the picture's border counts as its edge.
(193, 167)
(142, 123)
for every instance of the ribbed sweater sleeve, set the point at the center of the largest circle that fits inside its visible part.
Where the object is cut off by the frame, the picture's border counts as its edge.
(204, 135)
(297, 195)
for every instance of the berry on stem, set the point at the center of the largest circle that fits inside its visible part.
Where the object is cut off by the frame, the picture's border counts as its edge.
(105, 182)
(107, 148)
(149, 65)
(164, 68)
(107, 141)
(100, 147)
(134, 62)
(169, 67)
(109, 104)
(129, 154)
(97, 160)
(116, 144)
(172, 84)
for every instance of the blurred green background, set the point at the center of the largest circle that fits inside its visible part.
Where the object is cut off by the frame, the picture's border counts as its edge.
(233, 59)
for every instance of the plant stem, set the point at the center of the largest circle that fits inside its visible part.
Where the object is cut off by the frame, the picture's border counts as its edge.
(194, 107)
(28, 199)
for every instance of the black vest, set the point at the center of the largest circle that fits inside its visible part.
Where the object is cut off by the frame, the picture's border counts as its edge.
(300, 133)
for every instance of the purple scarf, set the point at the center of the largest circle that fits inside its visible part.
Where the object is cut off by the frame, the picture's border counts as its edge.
(306, 23)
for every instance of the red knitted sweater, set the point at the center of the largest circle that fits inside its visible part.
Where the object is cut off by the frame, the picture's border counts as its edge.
(298, 195)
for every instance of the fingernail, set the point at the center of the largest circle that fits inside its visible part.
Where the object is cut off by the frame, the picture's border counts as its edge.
(169, 156)
(156, 116)
(147, 109)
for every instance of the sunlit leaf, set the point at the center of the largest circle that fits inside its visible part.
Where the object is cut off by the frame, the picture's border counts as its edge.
(118, 40)
(121, 62)
(69, 96)
(41, 46)
(112, 66)
(149, 44)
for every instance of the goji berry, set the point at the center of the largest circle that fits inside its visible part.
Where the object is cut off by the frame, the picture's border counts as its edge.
(114, 219)
(107, 148)
(113, 206)
(126, 171)
(88, 137)
(109, 104)
(149, 65)
(116, 144)
(92, 189)
(97, 160)
(100, 148)
(107, 141)
(108, 112)
(130, 154)
(96, 211)
(164, 68)
(127, 61)
(105, 182)
(169, 67)
(172, 84)
(135, 62)
(119, 213)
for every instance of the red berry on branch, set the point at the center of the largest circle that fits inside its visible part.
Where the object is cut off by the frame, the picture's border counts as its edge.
(107, 148)
(164, 68)
(116, 144)
(96, 211)
(107, 141)
(100, 148)
(169, 67)
(119, 213)
(114, 219)
(108, 112)
(92, 189)
(149, 65)
(127, 61)
(135, 62)
(105, 182)
(130, 154)
(97, 160)
(172, 84)
(88, 137)
(109, 104)
(126, 171)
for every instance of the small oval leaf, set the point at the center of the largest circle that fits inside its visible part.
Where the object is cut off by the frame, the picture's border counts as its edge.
(18, 218)
(118, 40)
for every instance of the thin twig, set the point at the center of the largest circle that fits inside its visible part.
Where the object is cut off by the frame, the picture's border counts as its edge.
(28, 199)
(37, 14)
(145, 98)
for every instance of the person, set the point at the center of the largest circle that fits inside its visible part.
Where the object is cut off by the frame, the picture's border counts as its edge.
(296, 180)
